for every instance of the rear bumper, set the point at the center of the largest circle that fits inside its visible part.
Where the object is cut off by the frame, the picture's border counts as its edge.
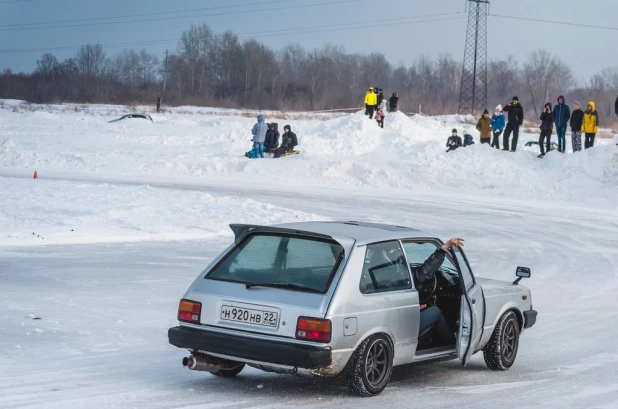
(529, 318)
(251, 349)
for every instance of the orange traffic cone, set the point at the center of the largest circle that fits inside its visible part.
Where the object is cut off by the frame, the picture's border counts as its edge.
(36, 175)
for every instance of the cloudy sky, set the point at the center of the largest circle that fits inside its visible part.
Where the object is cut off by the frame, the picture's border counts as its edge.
(402, 29)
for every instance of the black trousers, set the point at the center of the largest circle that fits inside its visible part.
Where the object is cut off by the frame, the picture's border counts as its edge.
(589, 143)
(545, 137)
(495, 143)
(514, 128)
(369, 111)
(485, 140)
(381, 123)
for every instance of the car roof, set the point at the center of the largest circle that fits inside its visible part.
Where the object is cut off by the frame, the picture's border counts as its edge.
(361, 232)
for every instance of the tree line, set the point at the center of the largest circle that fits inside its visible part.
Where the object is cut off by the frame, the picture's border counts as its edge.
(221, 70)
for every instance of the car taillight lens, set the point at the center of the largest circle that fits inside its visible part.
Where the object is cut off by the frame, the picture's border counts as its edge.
(189, 311)
(313, 329)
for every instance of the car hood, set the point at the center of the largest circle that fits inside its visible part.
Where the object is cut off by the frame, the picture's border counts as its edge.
(502, 287)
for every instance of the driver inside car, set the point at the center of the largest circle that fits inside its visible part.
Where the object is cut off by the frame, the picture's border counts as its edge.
(433, 325)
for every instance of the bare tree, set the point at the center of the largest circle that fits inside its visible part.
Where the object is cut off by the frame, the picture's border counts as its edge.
(545, 75)
(47, 66)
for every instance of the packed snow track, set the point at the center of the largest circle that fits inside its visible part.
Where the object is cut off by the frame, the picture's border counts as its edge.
(97, 252)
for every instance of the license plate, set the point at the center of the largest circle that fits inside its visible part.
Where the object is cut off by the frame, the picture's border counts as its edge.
(249, 316)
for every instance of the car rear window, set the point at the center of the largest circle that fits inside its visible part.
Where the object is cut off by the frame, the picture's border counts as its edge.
(279, 259)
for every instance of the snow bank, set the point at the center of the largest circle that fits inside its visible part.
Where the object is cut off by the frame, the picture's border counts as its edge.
(36, 212)
(349, 151)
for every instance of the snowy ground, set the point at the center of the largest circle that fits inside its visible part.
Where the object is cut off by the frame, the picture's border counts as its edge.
(95, 254)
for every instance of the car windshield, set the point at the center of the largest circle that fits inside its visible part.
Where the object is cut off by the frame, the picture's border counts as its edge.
(295, 263)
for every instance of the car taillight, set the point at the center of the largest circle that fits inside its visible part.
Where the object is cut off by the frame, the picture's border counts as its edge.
(313, 329)
(189, 311)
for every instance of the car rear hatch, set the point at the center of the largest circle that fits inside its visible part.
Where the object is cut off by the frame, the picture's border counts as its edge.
(269, 280)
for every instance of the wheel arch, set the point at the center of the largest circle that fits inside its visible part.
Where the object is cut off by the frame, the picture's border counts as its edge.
(362, 339)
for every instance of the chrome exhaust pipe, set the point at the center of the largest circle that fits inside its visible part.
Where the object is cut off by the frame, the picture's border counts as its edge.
(198, 362)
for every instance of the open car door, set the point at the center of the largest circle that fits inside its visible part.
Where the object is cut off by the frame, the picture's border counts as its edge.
(472, 310)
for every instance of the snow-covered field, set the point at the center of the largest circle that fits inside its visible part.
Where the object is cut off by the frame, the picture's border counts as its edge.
(95, 254)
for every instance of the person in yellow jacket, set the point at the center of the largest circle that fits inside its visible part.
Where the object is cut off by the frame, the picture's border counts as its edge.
(371, 100)
(590, 127)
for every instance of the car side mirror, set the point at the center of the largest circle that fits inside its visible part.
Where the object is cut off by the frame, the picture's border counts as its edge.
(522, 272)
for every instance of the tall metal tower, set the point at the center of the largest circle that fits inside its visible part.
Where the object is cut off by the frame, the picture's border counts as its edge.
(473, 96)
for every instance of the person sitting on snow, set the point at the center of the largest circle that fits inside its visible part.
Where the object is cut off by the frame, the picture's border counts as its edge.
(288, 141)
(454, 141)
(271, 142)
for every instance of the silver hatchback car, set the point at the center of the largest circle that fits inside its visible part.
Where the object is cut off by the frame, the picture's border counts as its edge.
(343, 298)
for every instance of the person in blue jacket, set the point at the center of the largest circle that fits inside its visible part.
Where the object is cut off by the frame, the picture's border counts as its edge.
(562, 114)
(498, 122)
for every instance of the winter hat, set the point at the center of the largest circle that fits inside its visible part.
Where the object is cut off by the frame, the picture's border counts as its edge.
(578, 104)
(485, 112)
(288, 127)
(454, 130)
(260, 118)
(516, 99)
(499, 107)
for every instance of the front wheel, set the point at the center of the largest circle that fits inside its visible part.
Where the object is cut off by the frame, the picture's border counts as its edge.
(372, 366)
(502, 348)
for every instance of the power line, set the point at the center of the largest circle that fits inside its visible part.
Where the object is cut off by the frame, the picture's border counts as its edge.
(564, 23)
(329, 3)
(43, 23)
(290, 31)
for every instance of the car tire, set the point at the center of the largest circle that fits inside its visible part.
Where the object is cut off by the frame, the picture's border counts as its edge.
(229, 373)
(501, 350)
(371, 367)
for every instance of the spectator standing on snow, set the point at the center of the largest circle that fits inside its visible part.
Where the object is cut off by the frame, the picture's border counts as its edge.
(380, 96)
(577, 121)
(393, 103)
(515, 119)
(498, 122)
(371, 100)
(562, 114)
(454, 141)
(547, 126)
(484, 127)
(259, 136)
(590, 126)
(288, 141)
(616, 106)
(158, 103)
(381, 113)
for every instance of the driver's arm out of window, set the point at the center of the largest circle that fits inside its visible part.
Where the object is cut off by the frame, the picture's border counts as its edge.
(427, 270)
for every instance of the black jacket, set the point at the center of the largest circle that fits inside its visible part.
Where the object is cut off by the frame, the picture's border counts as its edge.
(458, 142)
(289, 141)
(616, 107)
(577, 120)
(427, 270)
(272, 139)
(547, 121)
(380, 98)
(394, 101)
(516, 114)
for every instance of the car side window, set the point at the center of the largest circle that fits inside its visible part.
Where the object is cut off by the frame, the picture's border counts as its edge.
(417, 253)
(466, 273)
(384, 269)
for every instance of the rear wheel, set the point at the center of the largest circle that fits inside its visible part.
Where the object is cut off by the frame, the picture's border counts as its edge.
(229, 373)
(371, 367)
(501, 351)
